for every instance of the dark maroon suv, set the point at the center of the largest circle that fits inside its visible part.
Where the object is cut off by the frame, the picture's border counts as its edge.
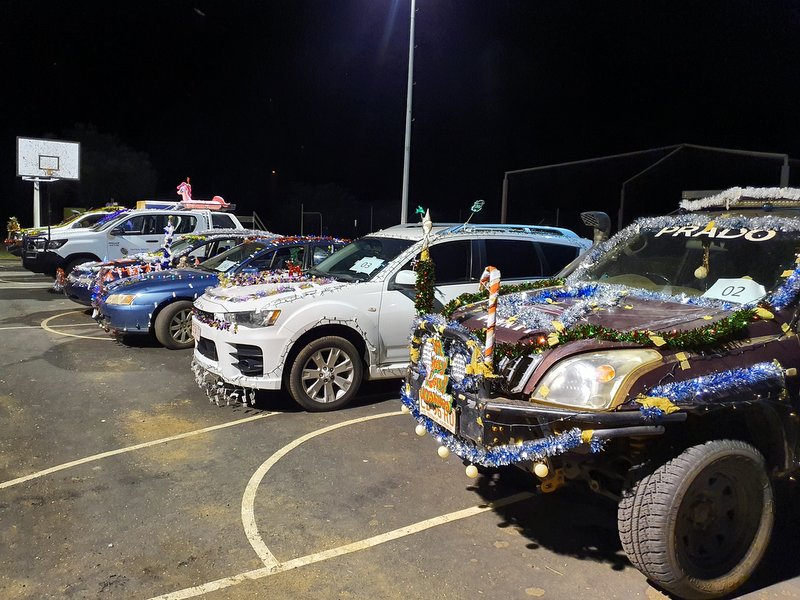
(662, 372)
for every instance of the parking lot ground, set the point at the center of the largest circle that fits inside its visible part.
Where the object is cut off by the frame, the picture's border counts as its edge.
(119, 479)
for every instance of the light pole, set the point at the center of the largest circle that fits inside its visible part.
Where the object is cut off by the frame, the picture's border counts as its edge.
(407, 150)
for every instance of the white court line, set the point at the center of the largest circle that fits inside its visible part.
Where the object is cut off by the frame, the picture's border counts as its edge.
(248, 499)
(46, 326)
(31, 284)
(102, 455)
(50, 326)
(309, 559)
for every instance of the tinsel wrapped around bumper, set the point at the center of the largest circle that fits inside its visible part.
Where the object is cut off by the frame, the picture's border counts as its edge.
(218, 391)
(499, 456)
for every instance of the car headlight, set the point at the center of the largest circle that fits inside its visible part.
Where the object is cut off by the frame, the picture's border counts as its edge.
(254, 318)
(124, 299)
(55, 244)
(591, 381)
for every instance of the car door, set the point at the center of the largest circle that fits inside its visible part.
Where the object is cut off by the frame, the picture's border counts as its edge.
(455, 275)
(135, 234)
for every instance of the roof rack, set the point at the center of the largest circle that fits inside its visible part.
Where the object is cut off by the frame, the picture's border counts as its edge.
(749, 197)
(179, 205)
(511, 228)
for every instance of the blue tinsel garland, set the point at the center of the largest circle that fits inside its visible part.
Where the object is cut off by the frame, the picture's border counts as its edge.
(499, 456)
(717, 384)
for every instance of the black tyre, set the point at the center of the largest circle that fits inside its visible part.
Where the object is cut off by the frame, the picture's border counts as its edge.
(699, 525)
(326, 374)
(173, 326)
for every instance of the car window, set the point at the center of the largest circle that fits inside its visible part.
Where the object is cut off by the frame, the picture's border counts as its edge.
(556, 256)
(133, 225)
(285, 255)
(181, 223)
(261, 262)
(235, 256)
(89, 220)
(321, 252)
(453, 261)
(202, 251)
(363, 259)
(219, 246)
(516, 259)
(222, 221)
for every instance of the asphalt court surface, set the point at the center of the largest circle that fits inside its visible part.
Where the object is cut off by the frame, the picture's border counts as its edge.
(119, 479)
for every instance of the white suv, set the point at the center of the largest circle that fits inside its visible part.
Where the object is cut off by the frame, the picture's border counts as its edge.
(321, 338)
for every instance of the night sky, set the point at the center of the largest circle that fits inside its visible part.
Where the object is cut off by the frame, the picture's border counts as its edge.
(315, 90)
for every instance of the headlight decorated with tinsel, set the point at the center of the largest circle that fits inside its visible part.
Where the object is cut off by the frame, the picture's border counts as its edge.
(591, 381)
(121, 299)
(253, 318)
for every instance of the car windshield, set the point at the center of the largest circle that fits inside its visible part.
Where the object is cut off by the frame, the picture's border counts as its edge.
(362, 259)
(112, 221)
(229, 259)
(733, 260)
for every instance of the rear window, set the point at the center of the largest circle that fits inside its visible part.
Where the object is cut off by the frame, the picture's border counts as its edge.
(516, 259)
(222, 221)
(453, 261)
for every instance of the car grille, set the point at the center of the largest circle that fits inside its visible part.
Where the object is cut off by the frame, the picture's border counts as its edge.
(203, 315)
(207, 348)
(34, 244)
(249, 360)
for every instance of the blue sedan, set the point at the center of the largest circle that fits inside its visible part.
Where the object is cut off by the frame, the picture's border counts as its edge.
(85, 281)
(160, 303)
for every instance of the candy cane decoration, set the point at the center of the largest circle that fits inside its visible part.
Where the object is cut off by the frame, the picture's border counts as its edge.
(491, 275)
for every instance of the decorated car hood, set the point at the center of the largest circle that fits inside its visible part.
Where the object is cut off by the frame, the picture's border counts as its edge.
(527, 316)
(165, 281)
(239, 298)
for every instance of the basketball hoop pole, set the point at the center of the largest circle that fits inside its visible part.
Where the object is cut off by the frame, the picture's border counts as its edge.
(37, 212)
(37, 205)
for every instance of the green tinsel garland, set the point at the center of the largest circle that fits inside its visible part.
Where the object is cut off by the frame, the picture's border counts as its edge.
(426, 280)
(702, 337)
(468, 298)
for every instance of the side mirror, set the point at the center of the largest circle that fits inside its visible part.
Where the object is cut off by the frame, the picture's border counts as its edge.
(599, 222)
(117, 231)
(406, 278)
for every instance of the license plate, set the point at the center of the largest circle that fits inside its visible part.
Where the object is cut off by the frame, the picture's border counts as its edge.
(195, 331)
(439, 415)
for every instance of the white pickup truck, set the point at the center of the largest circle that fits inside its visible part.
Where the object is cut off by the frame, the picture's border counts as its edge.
(128, 233)
(320, 338)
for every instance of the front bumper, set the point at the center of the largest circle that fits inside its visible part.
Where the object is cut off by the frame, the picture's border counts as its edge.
(501, 431)
(246, 357)
(79, 291)
(41, 261)
(119, 319)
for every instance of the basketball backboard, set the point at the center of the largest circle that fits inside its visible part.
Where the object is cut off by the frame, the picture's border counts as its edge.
(46, 159)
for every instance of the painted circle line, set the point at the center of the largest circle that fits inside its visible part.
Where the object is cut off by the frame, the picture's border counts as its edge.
(46, 326)
(248, 499)
(272, 566)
